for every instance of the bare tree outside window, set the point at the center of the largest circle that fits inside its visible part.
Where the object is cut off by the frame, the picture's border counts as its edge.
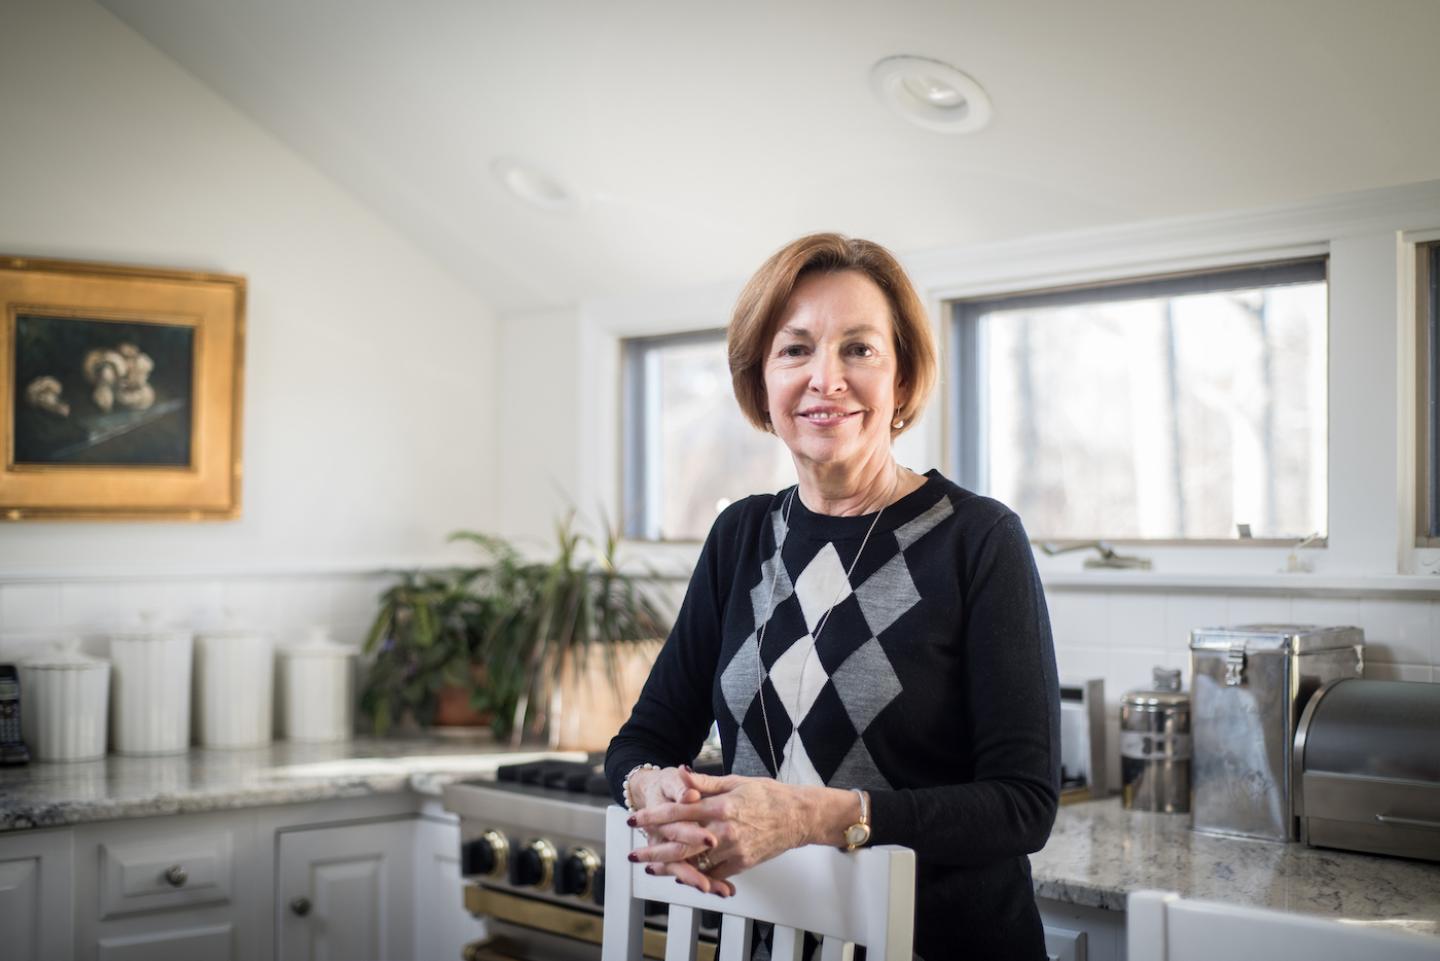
(1170, 410)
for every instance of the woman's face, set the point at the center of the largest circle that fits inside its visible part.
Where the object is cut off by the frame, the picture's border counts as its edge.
(830, 373)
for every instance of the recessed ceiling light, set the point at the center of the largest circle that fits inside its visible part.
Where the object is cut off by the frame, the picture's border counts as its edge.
(932, 94)
(532, 185)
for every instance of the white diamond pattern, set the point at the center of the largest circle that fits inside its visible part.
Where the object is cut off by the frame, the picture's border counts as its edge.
(797, 768)
(798, 677)
(821, 585)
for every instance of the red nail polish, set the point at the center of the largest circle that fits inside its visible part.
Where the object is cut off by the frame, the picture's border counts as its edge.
(709, 843)
(678, 881)
(631, 821)
(632, 856)
(649, 869)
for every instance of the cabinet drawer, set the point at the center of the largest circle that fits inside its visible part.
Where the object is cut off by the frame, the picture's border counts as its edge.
(159, 873)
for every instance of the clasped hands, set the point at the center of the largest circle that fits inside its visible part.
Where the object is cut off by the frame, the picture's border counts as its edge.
(726, 824)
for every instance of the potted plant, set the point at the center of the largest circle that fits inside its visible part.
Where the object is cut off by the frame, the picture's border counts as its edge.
(575, 641)
(556, 650)
(427, 644)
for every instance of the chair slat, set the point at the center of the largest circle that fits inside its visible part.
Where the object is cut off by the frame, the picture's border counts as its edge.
(735, 938)
(787, 944)
(680, 933)
(833, 949)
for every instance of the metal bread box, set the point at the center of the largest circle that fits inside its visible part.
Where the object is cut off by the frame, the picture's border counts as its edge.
(1367, 762)
(1248, 686)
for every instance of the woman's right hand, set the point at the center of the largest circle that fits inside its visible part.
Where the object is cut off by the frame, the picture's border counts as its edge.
(678, 840)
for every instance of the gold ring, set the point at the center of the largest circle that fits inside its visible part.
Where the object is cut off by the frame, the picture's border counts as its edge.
(702, 862)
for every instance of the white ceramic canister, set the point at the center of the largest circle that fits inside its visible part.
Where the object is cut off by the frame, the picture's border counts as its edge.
(150, 700)
(234, 688)
(65, 705)
(315, 676)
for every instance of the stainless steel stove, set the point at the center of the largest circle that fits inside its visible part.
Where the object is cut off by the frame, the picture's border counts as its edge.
(532, 852)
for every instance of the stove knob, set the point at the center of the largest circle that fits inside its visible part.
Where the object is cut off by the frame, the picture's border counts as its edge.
(534, 864)
(577, 873)
(485, 856)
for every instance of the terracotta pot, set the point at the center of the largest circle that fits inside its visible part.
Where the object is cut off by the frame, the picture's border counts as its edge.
(585, 707)
(452, 708)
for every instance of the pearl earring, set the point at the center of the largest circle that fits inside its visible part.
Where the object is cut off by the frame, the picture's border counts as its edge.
(897, 423)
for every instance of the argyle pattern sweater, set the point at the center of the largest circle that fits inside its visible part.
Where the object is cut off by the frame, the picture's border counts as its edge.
(931, 684)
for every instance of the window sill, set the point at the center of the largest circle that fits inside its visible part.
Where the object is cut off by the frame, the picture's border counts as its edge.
(1301, 584)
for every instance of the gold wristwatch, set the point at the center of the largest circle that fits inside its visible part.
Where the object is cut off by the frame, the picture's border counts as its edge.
(858, 833)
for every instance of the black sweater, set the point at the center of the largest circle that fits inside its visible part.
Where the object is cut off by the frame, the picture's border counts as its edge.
(932, 686)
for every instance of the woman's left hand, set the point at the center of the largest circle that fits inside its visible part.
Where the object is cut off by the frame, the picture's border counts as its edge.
(752, 818)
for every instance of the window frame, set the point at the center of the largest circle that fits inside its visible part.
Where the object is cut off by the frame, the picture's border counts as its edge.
(964, 422)
(639, 477)
(1425, 290)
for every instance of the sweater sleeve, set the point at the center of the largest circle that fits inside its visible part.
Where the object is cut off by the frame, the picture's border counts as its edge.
(1011, 700)
(673, 714)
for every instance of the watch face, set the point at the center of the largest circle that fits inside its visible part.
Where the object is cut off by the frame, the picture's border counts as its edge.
(857, 834)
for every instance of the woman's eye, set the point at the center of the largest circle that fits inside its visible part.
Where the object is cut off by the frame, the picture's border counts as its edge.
(862, 350)
(792, 350)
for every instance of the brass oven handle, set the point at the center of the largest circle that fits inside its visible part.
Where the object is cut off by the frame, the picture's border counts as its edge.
(1408, 822)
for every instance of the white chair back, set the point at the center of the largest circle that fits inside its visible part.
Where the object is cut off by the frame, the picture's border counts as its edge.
(866, 897)
(1161, 926)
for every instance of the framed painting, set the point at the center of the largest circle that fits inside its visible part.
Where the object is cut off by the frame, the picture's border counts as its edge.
(120, 392)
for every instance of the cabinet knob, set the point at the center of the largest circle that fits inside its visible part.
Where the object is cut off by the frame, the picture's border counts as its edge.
(300, 906)
(175, 876)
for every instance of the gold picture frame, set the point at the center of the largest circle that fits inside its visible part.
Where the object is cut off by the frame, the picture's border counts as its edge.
(120, 392)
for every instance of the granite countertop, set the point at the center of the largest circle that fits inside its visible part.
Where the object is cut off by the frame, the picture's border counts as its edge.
(1099, 852)
(284, 772)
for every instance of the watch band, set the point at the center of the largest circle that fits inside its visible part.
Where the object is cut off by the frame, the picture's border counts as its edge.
(858, 833)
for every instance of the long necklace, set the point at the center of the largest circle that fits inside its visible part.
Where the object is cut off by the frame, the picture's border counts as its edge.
(761, 672)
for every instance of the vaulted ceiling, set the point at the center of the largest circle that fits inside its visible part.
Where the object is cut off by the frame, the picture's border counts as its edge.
(698, 137)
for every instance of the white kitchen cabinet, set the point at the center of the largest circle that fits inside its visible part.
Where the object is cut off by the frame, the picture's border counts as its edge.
(36, 903)
(168, 887)
(442, 925)
(344, 893)
(1076, 933)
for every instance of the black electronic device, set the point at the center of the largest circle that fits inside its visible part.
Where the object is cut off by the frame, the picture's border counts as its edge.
(12, 747)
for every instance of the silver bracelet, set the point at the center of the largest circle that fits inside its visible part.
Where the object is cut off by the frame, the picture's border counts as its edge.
(625, 784)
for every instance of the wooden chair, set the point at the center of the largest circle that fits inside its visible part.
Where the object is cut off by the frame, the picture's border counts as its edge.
(1161, 926)
(867, 897)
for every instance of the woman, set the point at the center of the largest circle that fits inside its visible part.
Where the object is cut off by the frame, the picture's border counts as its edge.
(873, 643)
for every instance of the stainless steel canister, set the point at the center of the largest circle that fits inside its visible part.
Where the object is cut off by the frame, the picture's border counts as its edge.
(1155, 747)
(1249, 685)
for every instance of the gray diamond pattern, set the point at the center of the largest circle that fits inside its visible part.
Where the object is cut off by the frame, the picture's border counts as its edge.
(887, 594)
(866, 684)
(910, 532)
(740, 679)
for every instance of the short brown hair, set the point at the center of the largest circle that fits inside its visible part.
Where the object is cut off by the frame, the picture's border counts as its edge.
(757, 314)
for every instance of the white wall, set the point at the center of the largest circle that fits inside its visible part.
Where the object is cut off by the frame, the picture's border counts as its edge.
(369, 372)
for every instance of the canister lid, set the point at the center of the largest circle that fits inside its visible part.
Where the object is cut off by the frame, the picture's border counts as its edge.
(150, 629)
(1287, 638)
(64, 656)
(318, 643)
(1157, 701)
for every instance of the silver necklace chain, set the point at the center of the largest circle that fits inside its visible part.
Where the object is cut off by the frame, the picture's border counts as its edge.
(761, 672)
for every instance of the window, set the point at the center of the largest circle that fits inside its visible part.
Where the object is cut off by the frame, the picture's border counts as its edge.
(1177, 408)
(1427, 300)
(688, 451)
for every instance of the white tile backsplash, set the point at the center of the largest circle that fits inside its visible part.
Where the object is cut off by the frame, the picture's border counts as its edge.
(1079, 619)
(1383, 671)
(29, 607)
(1185, 612)
(1137, 621)
(1258, 609)
(1325, 611)
(1399, 631)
